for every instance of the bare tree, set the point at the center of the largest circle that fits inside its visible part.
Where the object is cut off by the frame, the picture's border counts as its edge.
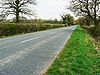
(87, 7)
(17, 7)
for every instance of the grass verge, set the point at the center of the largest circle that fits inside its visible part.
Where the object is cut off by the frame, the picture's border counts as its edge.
(79, 57)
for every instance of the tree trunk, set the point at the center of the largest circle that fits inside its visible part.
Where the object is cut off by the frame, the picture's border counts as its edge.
(17, 11)
(96, 22)
(17, 17)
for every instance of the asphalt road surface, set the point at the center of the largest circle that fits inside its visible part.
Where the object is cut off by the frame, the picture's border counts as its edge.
(30, 54)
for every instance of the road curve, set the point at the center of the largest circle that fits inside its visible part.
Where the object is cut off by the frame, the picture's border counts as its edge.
(30, 54)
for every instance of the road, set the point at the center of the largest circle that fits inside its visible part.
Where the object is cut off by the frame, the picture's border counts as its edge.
(30, 54)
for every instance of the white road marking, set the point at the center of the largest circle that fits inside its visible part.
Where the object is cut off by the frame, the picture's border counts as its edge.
(23, 41)
(35, 38)
(10, 59)
(27, 40)
(52, 32)
(4, 47)
(31, 39)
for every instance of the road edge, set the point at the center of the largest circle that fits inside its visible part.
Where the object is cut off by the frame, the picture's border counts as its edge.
(46, 69)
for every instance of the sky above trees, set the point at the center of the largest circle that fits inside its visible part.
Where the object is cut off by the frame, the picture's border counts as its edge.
(50, 9)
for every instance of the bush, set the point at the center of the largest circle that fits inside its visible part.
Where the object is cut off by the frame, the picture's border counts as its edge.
(96, 31)
(8, 29)
(12, 28)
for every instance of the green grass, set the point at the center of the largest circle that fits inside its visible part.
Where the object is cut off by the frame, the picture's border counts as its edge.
(79, 57)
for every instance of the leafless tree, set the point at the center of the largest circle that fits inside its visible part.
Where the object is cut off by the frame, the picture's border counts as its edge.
(87, 7)
(17, 7)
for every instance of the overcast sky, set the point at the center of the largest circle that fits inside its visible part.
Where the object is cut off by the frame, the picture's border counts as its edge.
(51, 9)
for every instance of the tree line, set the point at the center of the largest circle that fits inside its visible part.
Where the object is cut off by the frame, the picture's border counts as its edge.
(87, 9)
(89, 12)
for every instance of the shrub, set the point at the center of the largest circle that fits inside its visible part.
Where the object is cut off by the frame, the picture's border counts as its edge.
(96, 31)
(12, 28)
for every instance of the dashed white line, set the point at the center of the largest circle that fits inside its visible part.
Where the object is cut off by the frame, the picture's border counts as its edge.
(35, 38)
(31, 39)
(52, 32)
(28, 40)
(20, 54)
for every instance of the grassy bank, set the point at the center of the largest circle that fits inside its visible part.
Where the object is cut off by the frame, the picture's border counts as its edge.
(79, 57)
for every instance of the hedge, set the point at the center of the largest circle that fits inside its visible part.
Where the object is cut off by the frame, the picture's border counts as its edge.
(12, 28)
